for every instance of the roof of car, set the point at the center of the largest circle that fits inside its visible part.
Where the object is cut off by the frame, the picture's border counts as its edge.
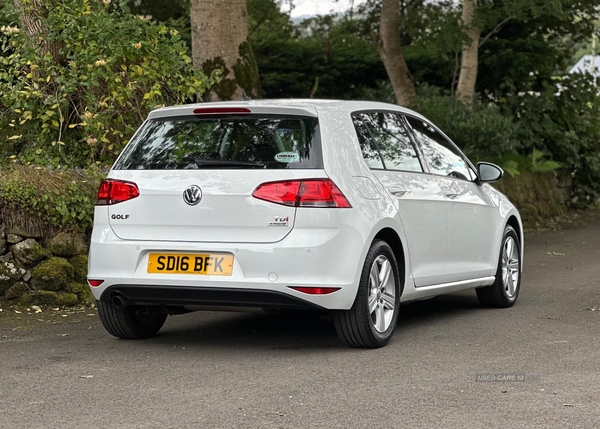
(294, 106)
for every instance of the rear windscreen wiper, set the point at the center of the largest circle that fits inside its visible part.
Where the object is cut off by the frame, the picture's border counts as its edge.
(215, 163)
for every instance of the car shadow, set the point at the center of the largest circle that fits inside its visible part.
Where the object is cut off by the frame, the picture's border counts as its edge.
(439, 309)
(295, 330)
(292, 330)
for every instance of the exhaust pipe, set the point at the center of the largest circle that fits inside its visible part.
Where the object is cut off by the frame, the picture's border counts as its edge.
(119, 301)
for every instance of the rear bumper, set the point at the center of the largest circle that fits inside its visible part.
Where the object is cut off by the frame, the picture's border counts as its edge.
(179, 296)
(329, 255)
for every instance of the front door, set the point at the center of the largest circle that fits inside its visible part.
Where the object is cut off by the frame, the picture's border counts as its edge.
(471, 212)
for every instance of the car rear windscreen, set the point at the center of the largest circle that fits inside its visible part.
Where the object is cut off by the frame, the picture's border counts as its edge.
(192, 142)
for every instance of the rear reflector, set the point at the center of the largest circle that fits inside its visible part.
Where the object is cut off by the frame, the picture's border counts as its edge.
(116, 191)
(95, 283)
(221, 111)
(315, 290)
(302, 193)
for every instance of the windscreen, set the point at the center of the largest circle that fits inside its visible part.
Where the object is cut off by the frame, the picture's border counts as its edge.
(247, 142)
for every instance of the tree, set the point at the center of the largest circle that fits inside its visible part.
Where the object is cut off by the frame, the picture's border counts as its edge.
(435, 38)
(220, 42)
(470, 52)
(390, 50)
(524, 49)
(31, 14)
(547, 24)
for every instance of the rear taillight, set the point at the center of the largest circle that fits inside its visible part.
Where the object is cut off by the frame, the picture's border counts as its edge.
(302, 193)
(116, 191)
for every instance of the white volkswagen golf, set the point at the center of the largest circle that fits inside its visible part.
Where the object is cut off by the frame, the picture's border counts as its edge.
(339, 206)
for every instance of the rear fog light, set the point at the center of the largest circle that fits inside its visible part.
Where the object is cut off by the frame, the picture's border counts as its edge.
(315, 290)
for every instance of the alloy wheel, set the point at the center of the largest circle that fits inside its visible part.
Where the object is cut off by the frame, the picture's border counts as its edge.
(510, 267)
(382, 294)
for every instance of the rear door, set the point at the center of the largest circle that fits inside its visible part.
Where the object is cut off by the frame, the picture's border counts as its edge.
(196, 175)
(390, 153)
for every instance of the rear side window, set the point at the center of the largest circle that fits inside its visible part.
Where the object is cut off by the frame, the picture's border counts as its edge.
(368, 148)
(384, 141)
(191, 142)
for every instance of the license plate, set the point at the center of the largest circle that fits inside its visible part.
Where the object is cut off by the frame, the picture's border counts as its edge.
(212, 264)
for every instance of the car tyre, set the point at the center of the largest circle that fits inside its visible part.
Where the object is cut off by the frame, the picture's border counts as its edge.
(505, 290)
(131, 322)
(371, 321)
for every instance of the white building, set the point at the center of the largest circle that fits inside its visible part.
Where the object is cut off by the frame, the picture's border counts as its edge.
(587, 64)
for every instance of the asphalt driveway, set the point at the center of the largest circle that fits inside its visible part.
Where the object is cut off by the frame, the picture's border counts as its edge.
(451, 363)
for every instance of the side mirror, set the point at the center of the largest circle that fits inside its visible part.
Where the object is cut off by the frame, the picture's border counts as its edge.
(488, 172)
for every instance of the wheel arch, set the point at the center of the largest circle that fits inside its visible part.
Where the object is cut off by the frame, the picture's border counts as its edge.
(391, 237)
(518, 227)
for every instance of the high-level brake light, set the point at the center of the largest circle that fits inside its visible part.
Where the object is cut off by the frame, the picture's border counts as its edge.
(221, 111)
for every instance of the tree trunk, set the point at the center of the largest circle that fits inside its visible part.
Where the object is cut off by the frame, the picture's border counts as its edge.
(470, 51)
(31, 14)
(390, 51)
(220, 41)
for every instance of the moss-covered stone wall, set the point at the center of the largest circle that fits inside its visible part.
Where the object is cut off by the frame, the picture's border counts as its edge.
(538, 196)
(36, 270)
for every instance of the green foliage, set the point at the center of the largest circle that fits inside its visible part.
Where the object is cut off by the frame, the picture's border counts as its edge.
(517, 60)
(480, 130)
(8, 13)
(383, 92)
(265, 20)
(534, 42)
(433, 42)
(63, 199)
(540, 165)
(514, 164)
(117, 67)
(323, 57)
(175, 14)
(563, 121)
(160, 10)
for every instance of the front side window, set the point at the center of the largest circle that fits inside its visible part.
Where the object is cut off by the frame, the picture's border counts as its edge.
(441, 155)
(190, 142)
(385, 142)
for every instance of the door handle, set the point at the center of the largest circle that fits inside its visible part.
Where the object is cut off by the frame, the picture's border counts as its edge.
(397, 192)
(451, 194)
